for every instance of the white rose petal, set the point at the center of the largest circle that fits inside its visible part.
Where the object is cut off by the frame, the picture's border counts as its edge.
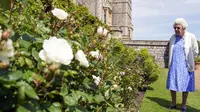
(128, 69)
(105, 32)
(81, 57)
(96, 79)
(44, 57)
(59, 13)
(129, 88)
(122, 73)
(7, 52)
(101, 30)
(96, 54)
(57, 51)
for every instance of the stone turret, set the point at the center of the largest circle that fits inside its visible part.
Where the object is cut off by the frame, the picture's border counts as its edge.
(115, 13)
(121, 19)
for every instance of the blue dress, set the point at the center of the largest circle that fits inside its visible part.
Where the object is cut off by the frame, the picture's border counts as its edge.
(179, 78)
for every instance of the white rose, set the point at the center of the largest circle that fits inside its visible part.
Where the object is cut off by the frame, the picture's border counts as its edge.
(96, 54)
(115, 86)
(122, 73)
(96, 79)
(128, 69)
(81, 57)
(101, 30)
(129, 88)
(59, 13)
(8, 51)
(56, 51)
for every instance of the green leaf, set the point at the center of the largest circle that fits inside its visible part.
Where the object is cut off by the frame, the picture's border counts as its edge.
(31, 106)
(21, 17)
(29, 90)
(80, 109)
(28, 37)
(98, 98)
(70, 73)
(29, 63)
(110, 109)
(25, 43)
(22, 109)
(21, 94)
(25, 53)
(85, 96)
(56, 104)
(35, 54)
(15, 75)
(69, 100)
(64, 90)
(21, 61)
(30, 76)
(86, 82)
(15, 37)
(54, 108)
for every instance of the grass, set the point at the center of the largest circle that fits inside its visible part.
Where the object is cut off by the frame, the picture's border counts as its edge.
(157, 97)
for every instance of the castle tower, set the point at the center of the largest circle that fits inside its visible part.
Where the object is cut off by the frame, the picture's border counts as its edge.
(121, 17)
(95, 7)
(115, 13)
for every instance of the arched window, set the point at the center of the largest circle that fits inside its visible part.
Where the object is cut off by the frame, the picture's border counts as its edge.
(105, 16)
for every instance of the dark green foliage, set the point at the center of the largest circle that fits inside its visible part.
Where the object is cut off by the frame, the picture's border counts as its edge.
(150, 68)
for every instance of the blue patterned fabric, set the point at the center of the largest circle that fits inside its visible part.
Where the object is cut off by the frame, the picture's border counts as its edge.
(179, 79)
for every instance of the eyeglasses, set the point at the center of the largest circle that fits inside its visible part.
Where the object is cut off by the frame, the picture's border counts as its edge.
(177, 28)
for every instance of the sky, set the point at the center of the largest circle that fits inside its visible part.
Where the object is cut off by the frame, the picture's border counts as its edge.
(153, 19)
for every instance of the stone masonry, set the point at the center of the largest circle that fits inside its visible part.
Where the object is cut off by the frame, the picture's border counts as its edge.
(115, 13)
(158, 49)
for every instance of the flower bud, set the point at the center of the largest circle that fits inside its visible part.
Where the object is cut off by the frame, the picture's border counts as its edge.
(3, 42)
(6, 34)
(54, 67)
(16, 44)
(115, 86)
(3, 65)
(57, 72)
(46, 70)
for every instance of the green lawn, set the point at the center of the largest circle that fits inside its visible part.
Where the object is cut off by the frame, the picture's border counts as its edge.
(157, 97)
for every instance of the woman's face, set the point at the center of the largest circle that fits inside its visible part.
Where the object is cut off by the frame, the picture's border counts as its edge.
(179, 30)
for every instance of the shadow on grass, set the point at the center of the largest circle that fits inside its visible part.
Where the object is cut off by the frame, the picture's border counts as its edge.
(166, 103)
(150, 88)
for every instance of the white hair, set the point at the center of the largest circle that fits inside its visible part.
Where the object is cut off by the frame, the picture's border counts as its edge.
(182, 22)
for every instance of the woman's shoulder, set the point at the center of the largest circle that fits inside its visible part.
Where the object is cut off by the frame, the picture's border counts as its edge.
(188, 34)
(173, 36)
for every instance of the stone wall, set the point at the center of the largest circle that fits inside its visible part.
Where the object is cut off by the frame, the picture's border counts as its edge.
(158, 49)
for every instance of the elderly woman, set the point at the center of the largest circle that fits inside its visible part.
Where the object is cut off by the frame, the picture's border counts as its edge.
(183, 48)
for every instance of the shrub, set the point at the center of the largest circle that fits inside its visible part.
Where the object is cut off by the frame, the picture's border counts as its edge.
(150, 68)
(124, 71)
(197, 59)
